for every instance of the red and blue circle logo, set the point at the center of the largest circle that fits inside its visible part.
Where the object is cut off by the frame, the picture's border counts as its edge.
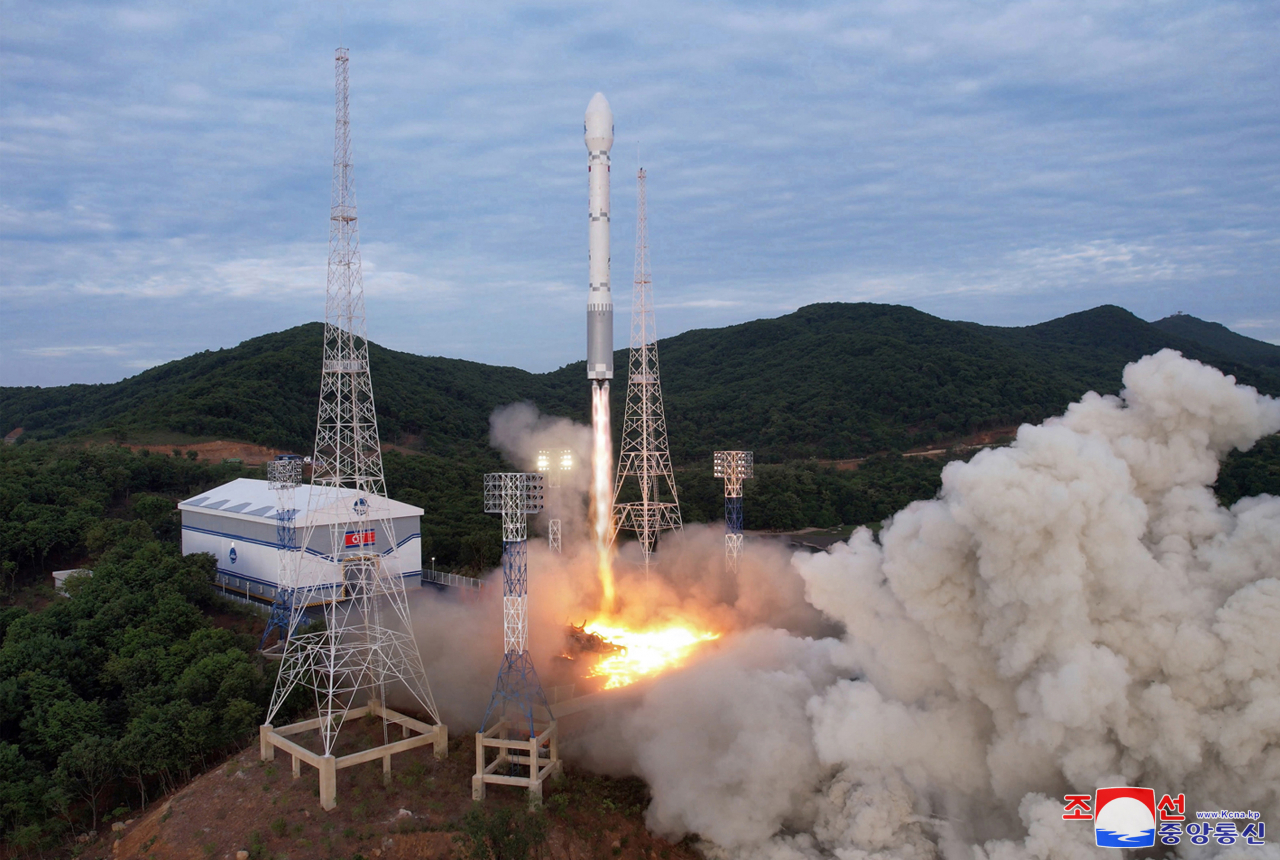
(1125, 818)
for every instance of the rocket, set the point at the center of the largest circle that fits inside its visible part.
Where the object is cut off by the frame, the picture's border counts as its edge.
(598, 131)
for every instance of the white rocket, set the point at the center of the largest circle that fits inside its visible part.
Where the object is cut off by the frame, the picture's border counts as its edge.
(598, 130)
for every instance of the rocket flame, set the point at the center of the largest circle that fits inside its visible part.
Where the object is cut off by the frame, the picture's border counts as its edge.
(647, 652)
(602, 490)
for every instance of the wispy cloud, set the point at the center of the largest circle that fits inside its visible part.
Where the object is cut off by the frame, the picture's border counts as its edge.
(1004, 162)
(82, 350)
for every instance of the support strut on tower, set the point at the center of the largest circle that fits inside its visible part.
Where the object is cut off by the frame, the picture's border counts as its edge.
(734, 467)
(644, 455)
(351, 566)
(283, 476)
(523, 734)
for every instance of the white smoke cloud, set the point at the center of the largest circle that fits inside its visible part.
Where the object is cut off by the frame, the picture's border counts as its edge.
(521, 432)
(459, 632)
(1072, 611)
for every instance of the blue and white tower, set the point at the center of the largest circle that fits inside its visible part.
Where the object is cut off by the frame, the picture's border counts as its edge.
(530, 756)
(284, 476)
(734, 467)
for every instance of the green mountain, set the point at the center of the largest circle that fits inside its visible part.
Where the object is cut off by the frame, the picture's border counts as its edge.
(828, 381)
(1218, 337)
(265, 391)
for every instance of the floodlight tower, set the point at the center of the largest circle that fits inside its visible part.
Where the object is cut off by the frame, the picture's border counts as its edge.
(644, 454)
(367, 642)
(734, 467)
(283, 476)
(553, 467)
(518, 691)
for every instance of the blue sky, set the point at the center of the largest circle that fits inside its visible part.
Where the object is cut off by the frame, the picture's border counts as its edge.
(165, 168)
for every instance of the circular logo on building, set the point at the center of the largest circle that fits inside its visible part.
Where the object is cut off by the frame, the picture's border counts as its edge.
(361, 506)
(232, 555)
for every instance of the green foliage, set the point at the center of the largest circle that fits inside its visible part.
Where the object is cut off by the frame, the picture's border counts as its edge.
(55, 500)
(455, 528)
(1250, 473)
(831, 381)
(1216, 336)
(263, 391)
(798, 495)
(124, 687)
(501, 833)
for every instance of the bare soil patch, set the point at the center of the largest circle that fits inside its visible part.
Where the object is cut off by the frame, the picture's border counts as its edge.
(217, 451)
(253, 806)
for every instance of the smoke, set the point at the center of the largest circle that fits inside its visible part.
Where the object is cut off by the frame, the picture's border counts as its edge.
(1072, 611)
(520, 432)
(460, 634)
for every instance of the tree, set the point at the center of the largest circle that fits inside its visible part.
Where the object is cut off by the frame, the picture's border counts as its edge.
(85, 769)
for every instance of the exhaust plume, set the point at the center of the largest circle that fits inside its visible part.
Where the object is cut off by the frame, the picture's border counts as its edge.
(1072, 611)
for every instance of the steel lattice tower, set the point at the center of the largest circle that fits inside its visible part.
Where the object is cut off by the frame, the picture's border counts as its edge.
(644, 454)
(515, 495)
(284, 477)
(734, 467)
(529, 758)
(553, 468)
(367, 642)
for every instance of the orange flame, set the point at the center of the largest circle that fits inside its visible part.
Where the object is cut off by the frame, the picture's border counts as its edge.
(648, 652)
(645, 652)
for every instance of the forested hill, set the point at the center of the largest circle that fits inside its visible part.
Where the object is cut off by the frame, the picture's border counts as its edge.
(828, 381)
(1218, 337)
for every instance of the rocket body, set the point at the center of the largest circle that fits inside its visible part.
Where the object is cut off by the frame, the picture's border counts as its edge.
(598, 131)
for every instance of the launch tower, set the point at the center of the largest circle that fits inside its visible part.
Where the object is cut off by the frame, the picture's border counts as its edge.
(367, 644)
(734, 467)
(518, 692)
(644, 454)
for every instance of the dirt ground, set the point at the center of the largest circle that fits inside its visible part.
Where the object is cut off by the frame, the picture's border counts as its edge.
(963, 445)
(252, 455)
(257, 807)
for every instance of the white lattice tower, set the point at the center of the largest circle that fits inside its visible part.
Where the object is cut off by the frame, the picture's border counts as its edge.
(644, 454)
(554, 537)
(734, 467)
(367, 643)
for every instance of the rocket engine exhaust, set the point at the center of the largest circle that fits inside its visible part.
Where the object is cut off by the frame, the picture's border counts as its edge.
(598, 133)
(602, 491)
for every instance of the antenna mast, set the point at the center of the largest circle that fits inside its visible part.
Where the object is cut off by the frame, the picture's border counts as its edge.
(350, 564)
(644, 453)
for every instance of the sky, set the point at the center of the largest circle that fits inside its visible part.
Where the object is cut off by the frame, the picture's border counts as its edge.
(165, 168)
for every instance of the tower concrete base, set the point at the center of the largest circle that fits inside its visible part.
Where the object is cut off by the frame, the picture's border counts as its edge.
(537, 758)
(415, 734)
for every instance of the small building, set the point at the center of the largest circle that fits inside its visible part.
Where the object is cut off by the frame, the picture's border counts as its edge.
(237, 523)
(60, 577)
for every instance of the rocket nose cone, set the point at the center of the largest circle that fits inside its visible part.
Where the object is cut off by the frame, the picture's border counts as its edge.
(598, 127)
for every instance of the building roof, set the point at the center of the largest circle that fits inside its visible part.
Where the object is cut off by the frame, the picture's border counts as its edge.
(250, 499)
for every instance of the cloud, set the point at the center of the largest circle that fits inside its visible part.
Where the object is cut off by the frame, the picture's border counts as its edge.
(900, 151)
(82, 349)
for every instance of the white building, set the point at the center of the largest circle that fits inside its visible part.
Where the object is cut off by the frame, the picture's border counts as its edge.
(236, 523)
